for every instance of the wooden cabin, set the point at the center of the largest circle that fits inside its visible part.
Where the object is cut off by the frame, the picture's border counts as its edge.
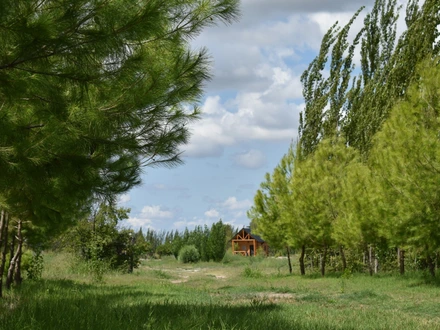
(248, 244)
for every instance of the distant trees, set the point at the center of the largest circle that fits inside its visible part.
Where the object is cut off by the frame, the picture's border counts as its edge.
(211, 243)
(216, 243)
(90, 92)
(365, 172)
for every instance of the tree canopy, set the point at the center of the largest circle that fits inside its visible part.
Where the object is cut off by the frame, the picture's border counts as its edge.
(91, 91)
(365, 175)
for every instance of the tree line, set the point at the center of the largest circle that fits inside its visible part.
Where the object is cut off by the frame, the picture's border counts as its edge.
(91, 92)
(101, 242)
(360, 189)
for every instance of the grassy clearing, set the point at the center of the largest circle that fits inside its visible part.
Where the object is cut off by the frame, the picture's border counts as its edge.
(244, 293)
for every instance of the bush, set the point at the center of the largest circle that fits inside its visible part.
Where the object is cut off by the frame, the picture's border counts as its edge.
(230, 257)
(189, 253)
(252, 273)
(35, 267)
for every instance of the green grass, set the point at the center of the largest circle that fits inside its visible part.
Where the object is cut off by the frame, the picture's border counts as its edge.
(166, 294)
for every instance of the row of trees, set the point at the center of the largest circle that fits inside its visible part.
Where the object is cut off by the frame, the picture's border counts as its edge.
(365, 173)
(102, 243)
(90, 92)
(211, 243)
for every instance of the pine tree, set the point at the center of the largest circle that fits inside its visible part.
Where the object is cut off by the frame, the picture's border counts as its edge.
(92, 91)
(406, 160)
(270, 214)
(217, 241)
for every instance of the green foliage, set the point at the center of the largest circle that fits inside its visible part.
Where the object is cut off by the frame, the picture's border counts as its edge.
(406, 159)
(366, 172)
(229, 257)
(270, 213)
(98, 241)
(189, 254)
(91, 92)
(165, 249)
(34, 269)
(217, 241)
(250, 272)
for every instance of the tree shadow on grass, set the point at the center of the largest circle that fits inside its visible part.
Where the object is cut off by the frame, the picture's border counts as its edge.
(63, 304)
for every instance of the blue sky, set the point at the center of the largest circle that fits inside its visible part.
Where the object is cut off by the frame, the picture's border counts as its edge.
(251, 112)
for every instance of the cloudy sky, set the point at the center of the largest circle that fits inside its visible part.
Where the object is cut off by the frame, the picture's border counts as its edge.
(251, 112)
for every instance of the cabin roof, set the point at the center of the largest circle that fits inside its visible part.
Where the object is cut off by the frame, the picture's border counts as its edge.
(248, 231)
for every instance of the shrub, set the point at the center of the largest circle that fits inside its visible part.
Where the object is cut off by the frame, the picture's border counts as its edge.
(229, 257)
(252, 273)
(189, 253)
(35, 267)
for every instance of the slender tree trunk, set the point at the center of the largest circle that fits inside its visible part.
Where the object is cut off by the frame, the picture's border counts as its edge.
(324, 257)
(431, 265)
(3, 246)
(17, 271)
(436, 260)
(376, 264)
(288, 259)
(402, 261)
(302, 268)
(370, 259)
(344, 260)
(12, 246)
(14, 260)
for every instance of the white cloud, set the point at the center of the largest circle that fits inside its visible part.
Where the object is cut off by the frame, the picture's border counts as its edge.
(155, 212)
(149, 216)
(252, 159)
(137, 223)
(190, 224)
(264, 116)
(212, 213)
(233, 204)
(263, 7)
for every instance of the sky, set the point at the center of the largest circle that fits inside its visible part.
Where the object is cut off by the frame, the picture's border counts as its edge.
(250, 114)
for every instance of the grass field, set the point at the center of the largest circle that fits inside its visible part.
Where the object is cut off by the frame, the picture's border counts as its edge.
(244, 293)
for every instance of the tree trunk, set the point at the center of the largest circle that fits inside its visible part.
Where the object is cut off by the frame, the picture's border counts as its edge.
(402, 262)
(302, 268)
(324, 257)
(288, 259)
(431, 265)
(12, 246)
(344, 260)
(17, 271)
(370, 259)
(14, 260)
(3, 246)
(376, 264)
(437, 255)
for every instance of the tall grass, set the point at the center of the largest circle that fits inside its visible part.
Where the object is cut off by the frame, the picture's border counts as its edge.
(166, 295)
